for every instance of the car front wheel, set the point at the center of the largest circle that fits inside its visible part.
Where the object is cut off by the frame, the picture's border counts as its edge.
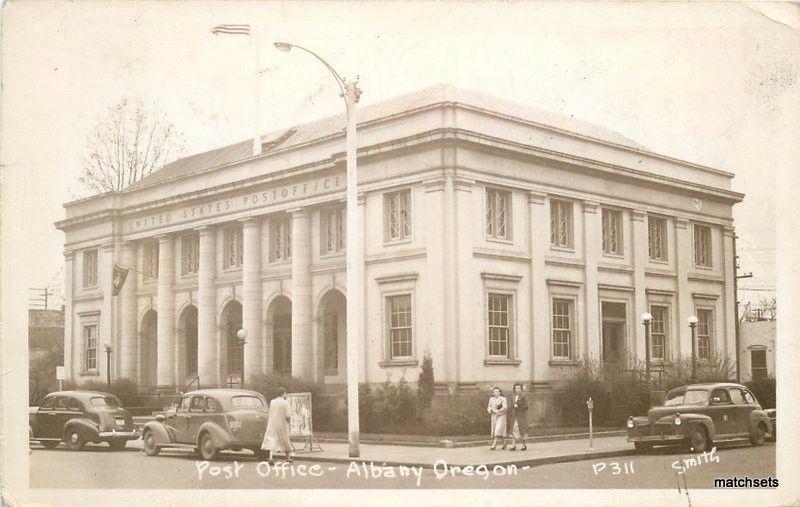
(74, 440)
(698, 440)
(759, 435)
(149, 444)
(208, 450)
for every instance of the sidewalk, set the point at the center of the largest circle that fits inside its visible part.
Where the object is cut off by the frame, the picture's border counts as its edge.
(540, 453)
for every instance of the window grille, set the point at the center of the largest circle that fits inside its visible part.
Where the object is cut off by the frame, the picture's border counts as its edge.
(150, 260)
(561, 224)
(499, 318)
(702, 245)
(398, 206)
(400, 330)
(612, 232)
(190, 253)
(89, 269)
(497, 213)
(657, 238)
(233, 247)
(280, 239)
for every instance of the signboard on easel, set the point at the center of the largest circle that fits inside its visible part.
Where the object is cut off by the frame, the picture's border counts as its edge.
(301, 421)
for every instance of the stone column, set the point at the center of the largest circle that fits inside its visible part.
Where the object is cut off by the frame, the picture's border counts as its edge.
(207, 357)
(640, 257)
(540, 242)
(69, 327)
(129, 329)
(592, 244)
(683, 262)
(302, 314)
(166, 312)
(251, 300)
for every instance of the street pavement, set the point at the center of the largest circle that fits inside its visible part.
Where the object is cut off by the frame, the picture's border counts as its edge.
(98, 467)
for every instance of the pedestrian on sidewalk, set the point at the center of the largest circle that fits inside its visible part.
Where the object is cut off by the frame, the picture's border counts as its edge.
(498, 406)
(518, 417)
(276, 438)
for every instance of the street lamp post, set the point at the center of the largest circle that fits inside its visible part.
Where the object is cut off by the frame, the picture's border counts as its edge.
(693, 325)
(646, 320)
(355, 264)
(241, 340)
(108, 366)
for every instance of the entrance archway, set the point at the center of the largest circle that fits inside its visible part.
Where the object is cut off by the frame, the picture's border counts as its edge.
(187, 346)
(231, 323)
(148, 349)
(332, 336)
(279, 315)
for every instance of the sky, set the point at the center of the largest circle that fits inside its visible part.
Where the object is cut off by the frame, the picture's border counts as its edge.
(707, 83)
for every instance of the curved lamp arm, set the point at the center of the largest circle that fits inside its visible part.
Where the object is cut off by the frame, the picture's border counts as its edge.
(285, 46)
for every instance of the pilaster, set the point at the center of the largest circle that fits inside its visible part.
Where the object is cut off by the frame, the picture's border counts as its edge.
(207, 337)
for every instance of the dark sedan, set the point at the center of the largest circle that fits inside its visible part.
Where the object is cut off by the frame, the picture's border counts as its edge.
(78, 417)
(698, 415)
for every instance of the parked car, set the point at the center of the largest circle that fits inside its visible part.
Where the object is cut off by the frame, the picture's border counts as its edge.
(698, 415)
(78, 417)
(208, 421)
(772, 419)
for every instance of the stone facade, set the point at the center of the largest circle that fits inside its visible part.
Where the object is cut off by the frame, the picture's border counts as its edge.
(508, 245)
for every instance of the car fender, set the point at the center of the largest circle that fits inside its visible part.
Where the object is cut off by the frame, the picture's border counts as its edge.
(160, 432)
(221, 437)
(759, 416)
(690, 420)
(87, 429)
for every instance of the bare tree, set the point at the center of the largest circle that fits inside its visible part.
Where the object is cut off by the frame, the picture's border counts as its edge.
(768, 307)
(128, 144)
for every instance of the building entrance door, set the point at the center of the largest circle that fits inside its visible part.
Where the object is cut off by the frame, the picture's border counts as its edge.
(613, 330)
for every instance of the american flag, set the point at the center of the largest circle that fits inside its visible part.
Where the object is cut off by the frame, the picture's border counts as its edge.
(231, 29)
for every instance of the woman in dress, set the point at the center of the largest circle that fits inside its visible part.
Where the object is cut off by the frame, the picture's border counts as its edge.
(518, 417)
(276, 438)
(498, 406)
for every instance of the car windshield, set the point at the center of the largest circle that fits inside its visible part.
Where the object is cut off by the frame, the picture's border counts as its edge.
(674, 397)
(100, 401)
(247, 402)
(690, 397)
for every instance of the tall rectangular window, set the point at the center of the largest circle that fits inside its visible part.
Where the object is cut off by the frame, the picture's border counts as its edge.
(400, 329)
(499, 318)
(561, 224)
(233, 247)
(657, 238)
(562, 328)
(190, 253)
(332, 226)
(150, 260)
(705, 333)
(658, 332)
(498, 214)
(398, 215)
(90, 347)
(89, 268)
(612, 232)
(280, 239)
(702, 245)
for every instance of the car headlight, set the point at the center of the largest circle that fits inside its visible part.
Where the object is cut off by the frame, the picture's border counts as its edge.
(678, 420)
(630, 423)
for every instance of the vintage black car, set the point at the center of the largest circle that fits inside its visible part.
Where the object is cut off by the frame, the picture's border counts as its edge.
(698, 415)
(78, 417)
(209, 420)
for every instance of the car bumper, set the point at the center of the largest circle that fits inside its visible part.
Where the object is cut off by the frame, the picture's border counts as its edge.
(657, 438)
(114, 434)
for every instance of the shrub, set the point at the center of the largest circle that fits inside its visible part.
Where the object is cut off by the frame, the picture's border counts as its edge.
(125, 389)
(718, 368)
(764, 389)
(425, 383)
(42, 372)
(395, 407)
(463, 414)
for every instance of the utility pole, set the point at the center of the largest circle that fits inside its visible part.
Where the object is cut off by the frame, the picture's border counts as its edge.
(736, 277)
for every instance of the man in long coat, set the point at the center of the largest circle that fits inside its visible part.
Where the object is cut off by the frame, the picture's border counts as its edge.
(276, 438)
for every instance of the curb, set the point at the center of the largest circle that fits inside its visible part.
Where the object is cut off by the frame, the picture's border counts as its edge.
(474, 443)
(548, 460)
